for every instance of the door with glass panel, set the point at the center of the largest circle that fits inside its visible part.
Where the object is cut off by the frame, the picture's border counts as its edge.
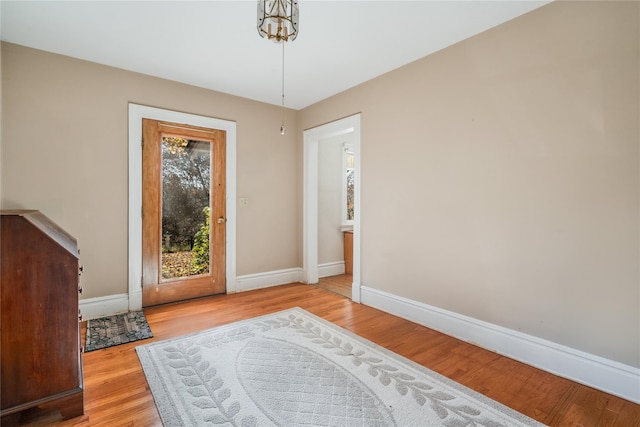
(183, 212)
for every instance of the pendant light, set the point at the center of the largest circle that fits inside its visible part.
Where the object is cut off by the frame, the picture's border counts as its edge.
(278, 22)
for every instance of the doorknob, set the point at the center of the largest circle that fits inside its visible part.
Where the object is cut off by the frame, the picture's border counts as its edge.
(222, 220)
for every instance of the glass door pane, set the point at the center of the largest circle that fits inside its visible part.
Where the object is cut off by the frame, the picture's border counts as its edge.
(186, 207)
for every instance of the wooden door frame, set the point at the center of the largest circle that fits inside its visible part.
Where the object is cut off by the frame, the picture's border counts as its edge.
(136, 114)
(155, 289)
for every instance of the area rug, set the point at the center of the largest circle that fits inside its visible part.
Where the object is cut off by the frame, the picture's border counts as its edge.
(293, 368)
(115, 330)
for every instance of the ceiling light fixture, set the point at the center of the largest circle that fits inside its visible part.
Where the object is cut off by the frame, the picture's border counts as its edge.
(278, 22)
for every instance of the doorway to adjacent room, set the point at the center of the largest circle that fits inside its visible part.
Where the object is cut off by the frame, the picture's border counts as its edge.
(313, 139)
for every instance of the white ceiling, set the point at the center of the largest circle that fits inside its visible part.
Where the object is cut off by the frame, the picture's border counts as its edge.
(215, 44)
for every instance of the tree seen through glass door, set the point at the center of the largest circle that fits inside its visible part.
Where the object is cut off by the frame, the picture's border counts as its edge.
(186, 183)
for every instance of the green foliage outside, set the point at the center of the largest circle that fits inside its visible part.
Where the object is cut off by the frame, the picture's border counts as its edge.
(186, 181)
(200, 263)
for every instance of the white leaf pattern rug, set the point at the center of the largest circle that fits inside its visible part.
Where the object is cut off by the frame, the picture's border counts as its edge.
(293, 368)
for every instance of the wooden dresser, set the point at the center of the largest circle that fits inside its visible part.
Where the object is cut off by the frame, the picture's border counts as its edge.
(40, 331)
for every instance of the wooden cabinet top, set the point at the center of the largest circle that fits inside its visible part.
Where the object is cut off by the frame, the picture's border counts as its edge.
(47, 226)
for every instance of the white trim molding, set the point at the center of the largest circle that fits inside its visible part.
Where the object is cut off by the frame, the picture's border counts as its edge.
(265, 280)
(603, 374)
(94, 308)
(331, 269)
(136, 114)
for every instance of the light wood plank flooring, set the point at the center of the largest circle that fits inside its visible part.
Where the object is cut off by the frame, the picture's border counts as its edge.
(340, 284)
(117, 394)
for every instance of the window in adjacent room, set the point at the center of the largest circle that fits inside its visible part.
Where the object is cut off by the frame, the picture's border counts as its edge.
(348, 184)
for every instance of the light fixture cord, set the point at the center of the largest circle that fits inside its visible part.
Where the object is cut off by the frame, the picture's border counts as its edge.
(282, 109)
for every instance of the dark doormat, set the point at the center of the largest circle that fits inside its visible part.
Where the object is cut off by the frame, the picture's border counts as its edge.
(115, 330)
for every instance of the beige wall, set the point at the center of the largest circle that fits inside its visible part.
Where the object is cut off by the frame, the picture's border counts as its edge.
(500, 177)
(64, 152)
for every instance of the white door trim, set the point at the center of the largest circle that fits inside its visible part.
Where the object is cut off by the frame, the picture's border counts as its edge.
(310, 204)
(136, 114)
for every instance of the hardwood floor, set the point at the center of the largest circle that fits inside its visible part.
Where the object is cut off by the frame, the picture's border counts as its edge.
(117, 394)
(340, 284)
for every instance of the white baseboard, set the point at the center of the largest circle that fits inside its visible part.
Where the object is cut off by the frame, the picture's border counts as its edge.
(265, 280)
(603, 374)
(331, 269)
(94, 308)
